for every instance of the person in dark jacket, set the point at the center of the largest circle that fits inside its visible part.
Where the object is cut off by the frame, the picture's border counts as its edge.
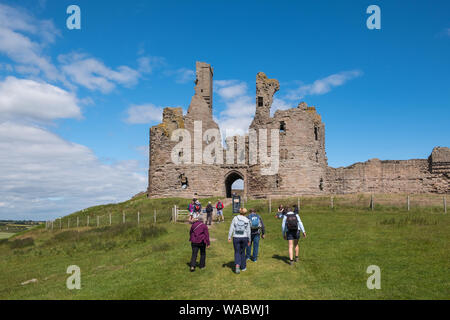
(199, 238)
(209, 211)
(257, 231)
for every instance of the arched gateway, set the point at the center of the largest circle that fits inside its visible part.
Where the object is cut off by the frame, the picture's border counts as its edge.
(230, 178)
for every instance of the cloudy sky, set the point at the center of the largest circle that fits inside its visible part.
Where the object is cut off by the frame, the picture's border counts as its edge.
(76, 105)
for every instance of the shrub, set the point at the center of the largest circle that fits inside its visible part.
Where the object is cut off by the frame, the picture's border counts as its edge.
(21, 243)
(150, 232)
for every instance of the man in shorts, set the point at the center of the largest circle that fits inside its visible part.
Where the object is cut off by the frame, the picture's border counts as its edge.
(219, 207)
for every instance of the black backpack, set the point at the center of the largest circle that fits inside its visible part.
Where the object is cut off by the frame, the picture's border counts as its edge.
(291, 222)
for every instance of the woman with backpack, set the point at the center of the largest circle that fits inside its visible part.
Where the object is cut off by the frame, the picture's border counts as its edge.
(209, 211)
(241, 233)
(291, 227)
(257, 231)
(219, 207)
(199, 238)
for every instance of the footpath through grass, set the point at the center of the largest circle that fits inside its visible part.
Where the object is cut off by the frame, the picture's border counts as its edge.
(151, 262)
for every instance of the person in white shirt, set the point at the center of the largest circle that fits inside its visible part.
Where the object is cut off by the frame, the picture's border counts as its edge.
(291, 227)
(241, 232)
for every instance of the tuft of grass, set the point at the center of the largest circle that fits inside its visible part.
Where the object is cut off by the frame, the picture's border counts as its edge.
(21, 243)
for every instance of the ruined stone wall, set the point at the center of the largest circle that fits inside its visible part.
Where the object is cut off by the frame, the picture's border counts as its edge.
(303, 167)
(168, 179)
(303, 161)
(390, 176)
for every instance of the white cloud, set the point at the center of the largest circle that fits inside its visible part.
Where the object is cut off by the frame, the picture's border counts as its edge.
(145, 113)
(16, 31)
(147, 63)
(444, 33)
(324, 85)
(239, 107)
(44, 176)
(94, 75)
(233, 91)
(279, 104)
(182, 75)
(31, 100)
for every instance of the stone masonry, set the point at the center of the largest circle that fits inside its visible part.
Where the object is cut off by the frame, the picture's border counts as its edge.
(303, 166)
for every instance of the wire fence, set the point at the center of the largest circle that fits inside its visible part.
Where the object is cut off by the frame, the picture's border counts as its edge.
(398, 202)
(86, 219)
(409, 202)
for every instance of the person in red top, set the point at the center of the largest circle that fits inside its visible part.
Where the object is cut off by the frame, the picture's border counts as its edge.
(219, 207)
(199, 238)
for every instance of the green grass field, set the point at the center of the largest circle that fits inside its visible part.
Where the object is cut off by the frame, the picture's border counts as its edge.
(148, 262)
(5, 235)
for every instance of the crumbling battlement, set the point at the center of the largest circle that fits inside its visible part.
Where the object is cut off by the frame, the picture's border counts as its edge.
(439, 160)
(303, 165)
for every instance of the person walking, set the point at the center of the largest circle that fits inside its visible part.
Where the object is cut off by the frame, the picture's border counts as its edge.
(220, 207)
(257, 231)
(209, 211)
(197, 209)
(199, 238)
(291, 227)
(191, 210)
(241, 234)
(280, 212)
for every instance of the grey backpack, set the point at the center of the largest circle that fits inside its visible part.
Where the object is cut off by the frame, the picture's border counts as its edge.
(240, 226)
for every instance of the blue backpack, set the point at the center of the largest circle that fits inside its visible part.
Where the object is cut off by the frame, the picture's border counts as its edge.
(254, 219)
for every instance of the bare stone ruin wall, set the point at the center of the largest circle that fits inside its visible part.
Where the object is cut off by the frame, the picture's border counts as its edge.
(303, 166)
(391, 176)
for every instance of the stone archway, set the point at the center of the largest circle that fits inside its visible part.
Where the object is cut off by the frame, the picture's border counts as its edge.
(230, 178)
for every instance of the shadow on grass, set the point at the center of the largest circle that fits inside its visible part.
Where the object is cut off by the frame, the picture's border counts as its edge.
(282, 258)
(230, 265)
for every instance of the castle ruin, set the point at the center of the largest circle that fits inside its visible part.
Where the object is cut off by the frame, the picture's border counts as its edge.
(303, 166)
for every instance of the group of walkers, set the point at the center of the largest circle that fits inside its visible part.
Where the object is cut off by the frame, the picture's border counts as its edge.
(245, 232)
(195, 211)
(282, 211)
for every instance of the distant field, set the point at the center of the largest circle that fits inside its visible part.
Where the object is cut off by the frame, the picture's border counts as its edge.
(5, 235)
(124, 261)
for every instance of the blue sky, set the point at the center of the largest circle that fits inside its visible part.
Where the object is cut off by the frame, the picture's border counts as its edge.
(381, 93)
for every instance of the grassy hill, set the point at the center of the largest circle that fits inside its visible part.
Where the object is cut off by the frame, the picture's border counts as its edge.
(150, 261)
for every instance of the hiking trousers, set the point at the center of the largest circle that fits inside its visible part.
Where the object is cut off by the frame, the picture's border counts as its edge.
(195, 248)
(240, 244)
(255, 243)
(209, 218)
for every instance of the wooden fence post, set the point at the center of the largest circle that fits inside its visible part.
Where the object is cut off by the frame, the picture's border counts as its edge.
(154, 216)
(270, 205)
(52, 225)
(78, 221)
(371, 202)
(332, 202)
(87, 224)
(138, 216)
(445, 204)
(408, 202)
(68, 223)
(110, 221)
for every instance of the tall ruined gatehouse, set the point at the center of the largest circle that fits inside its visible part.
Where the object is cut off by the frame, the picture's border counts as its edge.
(303, 167)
